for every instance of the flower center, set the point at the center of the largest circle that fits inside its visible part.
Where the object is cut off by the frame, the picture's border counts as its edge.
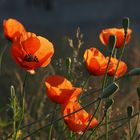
(30, 58)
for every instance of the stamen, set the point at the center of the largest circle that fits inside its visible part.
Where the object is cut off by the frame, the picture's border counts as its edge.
(30, 58)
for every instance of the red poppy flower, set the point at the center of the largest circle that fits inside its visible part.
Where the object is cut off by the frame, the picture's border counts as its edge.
(78, 121)
(122, 68)
(95, 61)
(119, 33)
(28, 50)
(60, 90)
(13, 28)
(33, 52)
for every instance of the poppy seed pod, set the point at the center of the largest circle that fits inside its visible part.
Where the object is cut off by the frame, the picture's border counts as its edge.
(109, 90)
(125, 23)
(129, 111)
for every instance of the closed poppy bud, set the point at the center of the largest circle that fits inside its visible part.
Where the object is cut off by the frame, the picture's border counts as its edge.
(60, 90)
(130, 111)
(78, 121)
(119, 33)
(95, 61)
(122, 68)
(13, 28)
(31, 51)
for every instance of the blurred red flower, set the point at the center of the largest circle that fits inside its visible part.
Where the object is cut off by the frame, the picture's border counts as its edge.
(95, 61)
(60, 90)
(122, 68)
(28, 50)
(78, 121)
(119, 33)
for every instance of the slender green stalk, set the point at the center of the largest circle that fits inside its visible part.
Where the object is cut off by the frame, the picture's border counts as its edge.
(121, 119)
(97, 126)
(14, 111)
(130, 129)
(137, 122)
(55, 121)
(112, 130)
(48, 114)
(1, 56)
(54, 112)
(83, 88)
(50, 132)
(22, 109)
(121, 55)
(103, 86)
(119, 126)
(117, 120)
(90, 120)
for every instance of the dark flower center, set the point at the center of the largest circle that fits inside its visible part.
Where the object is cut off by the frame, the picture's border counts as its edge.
(30, 58)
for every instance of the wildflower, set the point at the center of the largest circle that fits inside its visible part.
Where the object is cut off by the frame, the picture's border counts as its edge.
(60, 90)
(13, 28)
(95, 61)
(118, 32)
(77, 122)
(29, 50)
(33, 52)
(122, 68)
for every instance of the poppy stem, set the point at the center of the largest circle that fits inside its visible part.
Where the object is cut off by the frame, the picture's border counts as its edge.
(1, 56)
(112, 43)
(23, 103)
(90, 120)
(135, 128)
(97, 125)
(50, 132)
(112, 130)
(55, 121)
(121, 55)
(83, 88)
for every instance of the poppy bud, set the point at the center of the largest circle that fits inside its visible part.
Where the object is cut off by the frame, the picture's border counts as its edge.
(129, 111)
(112, 42)
(138, 92)
(12, 91)
(68, 63)
(109, 90)
(134, 72)
(125, 23)
(108, 104)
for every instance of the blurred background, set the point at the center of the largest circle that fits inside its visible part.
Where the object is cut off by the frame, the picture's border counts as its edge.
(57, 20)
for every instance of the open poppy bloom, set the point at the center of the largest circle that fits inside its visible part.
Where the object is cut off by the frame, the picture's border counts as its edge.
(60, 90)
(78, 121)
(29, 50)
(122, 68)
(119, 33)
(13, 28)
(33, 52)
(95, 61)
